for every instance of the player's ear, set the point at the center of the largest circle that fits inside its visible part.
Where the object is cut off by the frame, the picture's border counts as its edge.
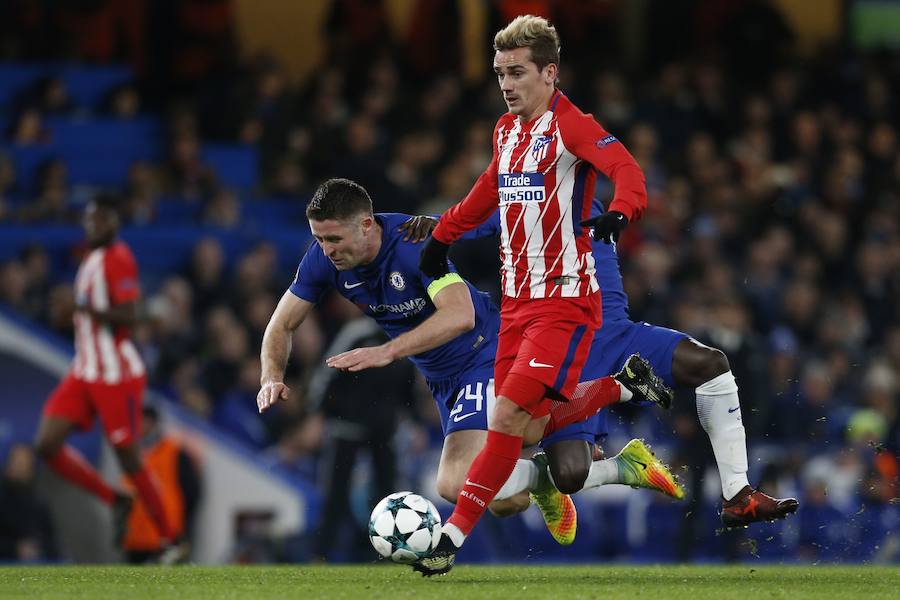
(366, 224)
(551, 73)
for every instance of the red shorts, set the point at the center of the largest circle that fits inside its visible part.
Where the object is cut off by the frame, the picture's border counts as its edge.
(117, 405)
(546, 339)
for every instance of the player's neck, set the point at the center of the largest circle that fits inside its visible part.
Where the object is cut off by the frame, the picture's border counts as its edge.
(102, 244)
(375, 244)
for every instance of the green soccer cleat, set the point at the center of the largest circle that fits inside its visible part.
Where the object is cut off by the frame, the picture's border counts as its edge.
(646, 386)
(557, 508)
(639, 468)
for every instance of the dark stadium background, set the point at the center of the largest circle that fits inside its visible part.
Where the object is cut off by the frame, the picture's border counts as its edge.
(768, 132)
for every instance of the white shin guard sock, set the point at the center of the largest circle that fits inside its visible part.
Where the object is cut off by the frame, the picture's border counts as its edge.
(602, 472)
(523, 478)
(719, 410)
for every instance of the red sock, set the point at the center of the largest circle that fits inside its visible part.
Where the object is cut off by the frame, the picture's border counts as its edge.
(69, 464)
(589, 398)
(489, 471)
(149, 493)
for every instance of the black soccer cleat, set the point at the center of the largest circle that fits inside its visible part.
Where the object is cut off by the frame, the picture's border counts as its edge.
(441, 559)
(637, 375)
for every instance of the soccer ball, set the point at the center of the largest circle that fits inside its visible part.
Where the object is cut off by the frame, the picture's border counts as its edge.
(404, 527)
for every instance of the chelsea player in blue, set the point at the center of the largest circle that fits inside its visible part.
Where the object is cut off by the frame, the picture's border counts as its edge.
(446, 327)
(680, 361)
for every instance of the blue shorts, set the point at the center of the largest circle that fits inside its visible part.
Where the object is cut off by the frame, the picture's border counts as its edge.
(466, 401)
(611, 347)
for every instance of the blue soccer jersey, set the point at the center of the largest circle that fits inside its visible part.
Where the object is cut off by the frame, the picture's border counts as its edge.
(393, 291)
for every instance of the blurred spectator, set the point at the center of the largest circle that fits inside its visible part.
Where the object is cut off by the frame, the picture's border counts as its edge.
(28, 128)
(26, 532)
(361, 411)
(124, 102)
(222, 210)
(186, 174)
(178, 477)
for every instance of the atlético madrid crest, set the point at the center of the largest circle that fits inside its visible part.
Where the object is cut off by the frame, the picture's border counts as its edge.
(397, 281)
(539, 149)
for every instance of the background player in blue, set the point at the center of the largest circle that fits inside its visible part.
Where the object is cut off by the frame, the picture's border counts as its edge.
(681, 361)
(446, 327)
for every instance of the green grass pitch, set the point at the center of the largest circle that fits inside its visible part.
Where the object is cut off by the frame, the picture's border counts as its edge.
(604, 582)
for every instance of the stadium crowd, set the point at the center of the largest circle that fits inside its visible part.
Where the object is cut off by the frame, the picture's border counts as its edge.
(773, 232)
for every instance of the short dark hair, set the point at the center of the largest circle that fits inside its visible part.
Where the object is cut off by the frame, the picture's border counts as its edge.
(338, 199)
(107, 201)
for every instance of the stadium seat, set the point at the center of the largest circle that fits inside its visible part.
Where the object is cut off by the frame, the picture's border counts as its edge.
(235, 164)
(88, 86)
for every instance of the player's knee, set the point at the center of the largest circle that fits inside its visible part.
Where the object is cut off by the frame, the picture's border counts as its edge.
(713, 364)
(568, 478)
(47, 448)
(449, 489)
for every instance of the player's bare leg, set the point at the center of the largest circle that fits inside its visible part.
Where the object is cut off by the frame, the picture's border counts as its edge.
(460, 449)
(719, 410)
(636, 465)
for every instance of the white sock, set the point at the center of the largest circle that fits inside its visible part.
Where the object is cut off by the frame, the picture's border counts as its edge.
(719, 410)
(523, 478)
(453, 532)
(626, 394)
(602, 472)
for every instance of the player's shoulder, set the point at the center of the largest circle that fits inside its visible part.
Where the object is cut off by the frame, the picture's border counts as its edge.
(391, 222)
(505, 121)
(120, 252)
(398, 250)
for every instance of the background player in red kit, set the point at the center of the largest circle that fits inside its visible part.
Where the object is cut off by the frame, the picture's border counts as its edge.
(107, 376)
(546, 154)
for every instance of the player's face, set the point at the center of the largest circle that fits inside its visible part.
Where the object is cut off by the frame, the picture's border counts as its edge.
(526, 89)
(100, 225)
(348, 243)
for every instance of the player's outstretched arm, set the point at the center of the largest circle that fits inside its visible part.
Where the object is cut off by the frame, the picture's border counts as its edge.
(418, 228)
(276, 346)
(455, 315)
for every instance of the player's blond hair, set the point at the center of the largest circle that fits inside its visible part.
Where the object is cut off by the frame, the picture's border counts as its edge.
(529, 31)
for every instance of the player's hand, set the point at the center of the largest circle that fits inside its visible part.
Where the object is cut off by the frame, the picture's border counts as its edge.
(270, 393)
(433, 261)
(361, 358)
(418, 228)
(607, 226)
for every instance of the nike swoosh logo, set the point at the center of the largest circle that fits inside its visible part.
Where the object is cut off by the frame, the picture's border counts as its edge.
(731, 410)
(458, 418)
(350, 286)
(534, 363)
(478, 485)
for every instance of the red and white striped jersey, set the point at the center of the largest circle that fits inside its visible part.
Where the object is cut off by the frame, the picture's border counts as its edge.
(542, 175)
(106, 277)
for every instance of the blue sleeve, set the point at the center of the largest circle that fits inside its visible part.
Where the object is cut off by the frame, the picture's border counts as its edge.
(489, 228)
(314, 275)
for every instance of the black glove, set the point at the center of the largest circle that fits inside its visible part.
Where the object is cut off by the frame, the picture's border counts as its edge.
(433, 260)
(607, 226)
